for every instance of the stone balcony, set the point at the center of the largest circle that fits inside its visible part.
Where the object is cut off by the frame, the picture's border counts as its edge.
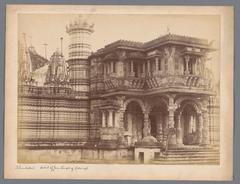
(188, 82)
(112, 83)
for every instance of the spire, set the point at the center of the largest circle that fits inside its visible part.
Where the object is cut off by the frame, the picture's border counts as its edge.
(58, 69)
(25, 65)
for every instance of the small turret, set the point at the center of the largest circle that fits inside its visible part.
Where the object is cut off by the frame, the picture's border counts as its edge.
(79, 50)
(79, 31)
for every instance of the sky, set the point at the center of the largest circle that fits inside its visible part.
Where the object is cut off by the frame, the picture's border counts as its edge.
(49, 28)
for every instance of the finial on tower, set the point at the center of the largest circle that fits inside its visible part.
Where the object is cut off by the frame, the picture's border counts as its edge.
(168, 30)
(61, 45)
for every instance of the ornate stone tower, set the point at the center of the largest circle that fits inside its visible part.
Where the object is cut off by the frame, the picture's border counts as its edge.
(79, 50)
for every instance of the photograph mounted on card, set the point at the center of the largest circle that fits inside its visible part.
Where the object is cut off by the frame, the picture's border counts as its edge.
(95, 90)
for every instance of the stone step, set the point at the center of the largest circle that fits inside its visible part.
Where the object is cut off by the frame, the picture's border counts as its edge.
(193, 150)
(187, 159)
(187, 155)
(187, 162)
(190, 156)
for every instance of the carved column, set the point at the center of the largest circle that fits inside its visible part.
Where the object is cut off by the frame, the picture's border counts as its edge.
(179, 130)
(171, 110)
(119, 123)
(103, 119)
(146, 124)
(131, 69)
(165, 128)
(163, 65)
(116, 119)
(200, 128)
(159, 128)
(138, 70)
(187, 59)
(144, 69)
(120, 118)
(104, 70)
(156, 64)
(110, 118)
(148, 67)
(131, 66)
(111, 67)
(205, 136)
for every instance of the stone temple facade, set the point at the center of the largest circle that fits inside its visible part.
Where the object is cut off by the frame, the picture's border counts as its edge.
(127, 102)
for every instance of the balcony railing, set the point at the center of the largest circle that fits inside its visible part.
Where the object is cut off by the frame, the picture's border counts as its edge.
(124, 83)
(160, 81)
(190, 81)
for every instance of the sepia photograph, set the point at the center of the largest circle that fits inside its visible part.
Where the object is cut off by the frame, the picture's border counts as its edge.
(109, 86)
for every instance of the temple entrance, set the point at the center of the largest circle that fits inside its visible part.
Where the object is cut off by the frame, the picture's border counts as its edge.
(189, 125)
(158, 121)
(133, 123)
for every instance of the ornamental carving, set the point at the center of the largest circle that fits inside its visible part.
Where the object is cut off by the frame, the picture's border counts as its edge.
(136, 55)
(57, 69)
(169, 55)
(121, 55)
(111, 56)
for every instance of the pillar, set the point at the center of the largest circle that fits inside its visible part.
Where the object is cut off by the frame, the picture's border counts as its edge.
(107, 67)
(138, 70)
(205, 135)
(162, 65)
(144, 69)
(103, 119)
(110, 118)
(171, 110)
(156, 64)
(187, 59)
(111, 66)
(179, 130)
(119, 121)
(148, 68)
(131, 67)
(146, 125)
(200, 128)
(159, 128)
(116, 122)
(103, 69)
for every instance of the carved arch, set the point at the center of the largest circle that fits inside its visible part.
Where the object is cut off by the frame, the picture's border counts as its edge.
(156, 102)
(194, 105)
(188, 101)
(140, 103)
